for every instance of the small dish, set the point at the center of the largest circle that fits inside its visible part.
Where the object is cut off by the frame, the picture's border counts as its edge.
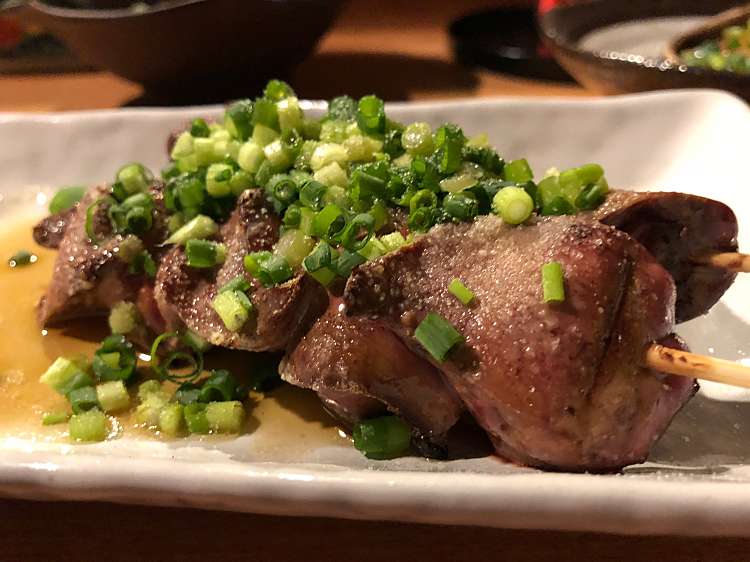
(618, 47)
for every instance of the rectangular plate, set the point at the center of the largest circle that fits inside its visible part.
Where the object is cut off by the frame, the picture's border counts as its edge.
(696, 481)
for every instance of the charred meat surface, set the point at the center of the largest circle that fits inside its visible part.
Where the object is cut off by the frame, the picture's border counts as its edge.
(88, 277)
(281, 314)
(679, 229)
(49, 231)
(554, 385)
(363, 357)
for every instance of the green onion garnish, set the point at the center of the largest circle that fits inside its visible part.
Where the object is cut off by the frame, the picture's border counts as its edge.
(371, 115)
(90, 425)
(513, 204)
(91, 215)
(239, 283)
(233, 308)
(553, 285)
(66, 198)
(115, 359)
(193, 361)
(437, 336)
(382, 438)
(83, 399)
(461, 291)
(21, 258)
(204, 254)
(187, 393)
(199, 128)
(220, 386)
(238, 119)
(198, 228)
(268, 268)
(195, 418)
(53, 418)
(134, 178)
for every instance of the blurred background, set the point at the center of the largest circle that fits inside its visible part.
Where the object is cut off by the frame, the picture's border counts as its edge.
(76, 54)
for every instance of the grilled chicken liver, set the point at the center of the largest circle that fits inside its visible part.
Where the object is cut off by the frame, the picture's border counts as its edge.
(362, 357)
(554, 385)
(89, 278)
(50, 231)
(678, 229)
(281, 314)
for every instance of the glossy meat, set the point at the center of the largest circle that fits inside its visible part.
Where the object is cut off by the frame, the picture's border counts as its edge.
(678, 229)
(88, 279)
(281, 314)
(555, 386)
(50, 231)
(362, 357)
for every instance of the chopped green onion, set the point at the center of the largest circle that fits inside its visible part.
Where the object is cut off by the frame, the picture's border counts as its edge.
(163, 367)
(65, 375)
(382, 438)
(518, 171)
(342, 108)
(331, 175)
(290, 114)
(277, 90)
(318, 259)
(328, 222)
(238, 119)
(171, 419)
(218, 177)
(22, 258)
(269, 269)
(283, 191)
(225, 417)
(134, 178)
(437, 336)
(194, 341)
(231, 306)
(558, 206)
(123, 318)
(90, 216)
(393, 241)
(199, 128)
(204, 253)
(220, 386)
(346, 262)
(54, 418)
(107, 367)
(449, 141)
(591, 197)
(266, 114)
(311, 194)
(129, 248)
(149, 387)
(513, 204)
(88, 426)
(250, 156)
(198, 228)
(66, 198)
(417, 139)
(553, 283)
(279, 154)
(83, 399)
(112, 396)
(357, 233)
(461, 291)
(294, 245)
(327, 153)
(462, 206)
(238, 283)
(195, 418)
(187, 393)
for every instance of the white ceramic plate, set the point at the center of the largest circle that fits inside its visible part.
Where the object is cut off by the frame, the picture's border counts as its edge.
(698, 477)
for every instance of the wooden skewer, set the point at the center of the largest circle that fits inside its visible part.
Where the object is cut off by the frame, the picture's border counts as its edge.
(732, 261)
(686, 364)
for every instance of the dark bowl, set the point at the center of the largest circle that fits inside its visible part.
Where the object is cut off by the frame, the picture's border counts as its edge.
(612, 72)
(192, 49)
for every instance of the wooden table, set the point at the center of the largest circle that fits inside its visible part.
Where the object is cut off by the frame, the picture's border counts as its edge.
(408, 57)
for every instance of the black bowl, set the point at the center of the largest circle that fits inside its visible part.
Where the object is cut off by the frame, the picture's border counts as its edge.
(192, 49)
(611, 72)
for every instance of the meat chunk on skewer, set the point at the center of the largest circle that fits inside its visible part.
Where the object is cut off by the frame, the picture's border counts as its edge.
(362, 357)
(554, 385)
(678, 229)
(281, 314)
(89, 278)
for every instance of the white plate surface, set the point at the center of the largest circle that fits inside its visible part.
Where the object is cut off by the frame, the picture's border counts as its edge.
(698, 478)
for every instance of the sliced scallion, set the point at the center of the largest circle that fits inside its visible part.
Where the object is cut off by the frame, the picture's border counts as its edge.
(553, 282)
(437, 336)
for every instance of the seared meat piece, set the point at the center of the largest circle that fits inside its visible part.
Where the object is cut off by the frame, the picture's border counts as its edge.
(349, 408)
(554, 385)
(281, 314)
(88, 279)
(679, 229)
(50, 230)
(357, 355)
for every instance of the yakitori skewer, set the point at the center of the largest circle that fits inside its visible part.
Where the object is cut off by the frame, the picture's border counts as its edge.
(731, 261)
(692, 365)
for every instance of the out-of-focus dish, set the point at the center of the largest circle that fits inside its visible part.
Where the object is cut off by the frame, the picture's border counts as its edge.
(616, 47)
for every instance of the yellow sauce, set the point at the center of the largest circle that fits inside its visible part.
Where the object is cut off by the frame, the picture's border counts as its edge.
(286, 417)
